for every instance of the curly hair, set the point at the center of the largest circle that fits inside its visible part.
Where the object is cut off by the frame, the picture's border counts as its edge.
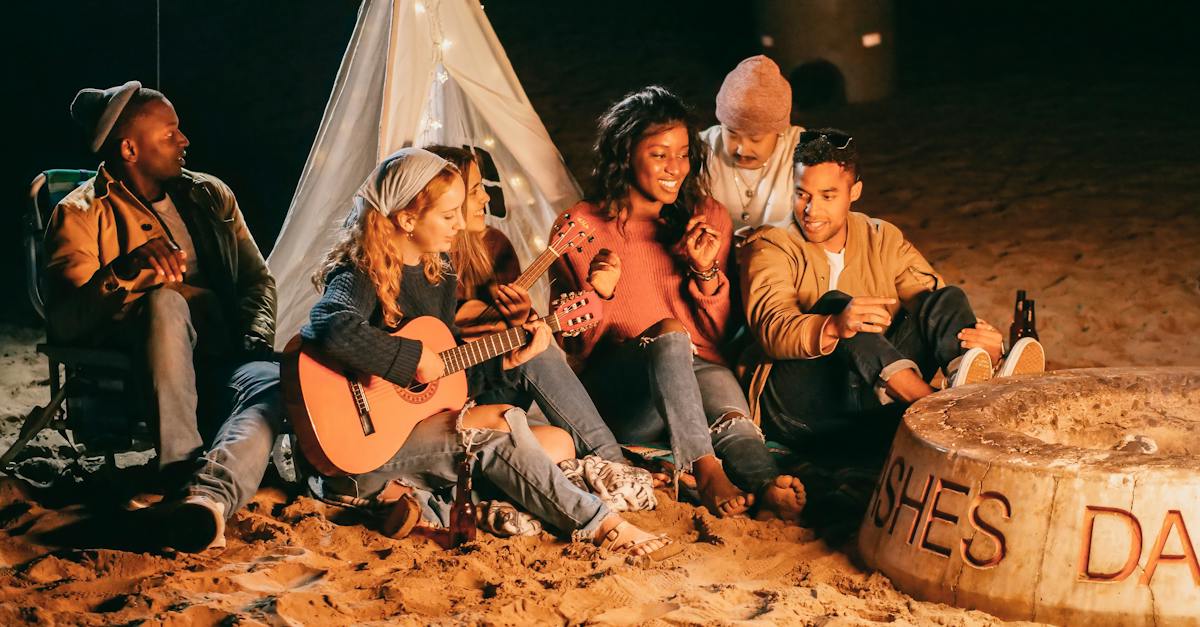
(366, 242)
(641, 113)
(822, 150)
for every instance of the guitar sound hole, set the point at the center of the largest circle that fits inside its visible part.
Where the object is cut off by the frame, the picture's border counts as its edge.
(418, 393)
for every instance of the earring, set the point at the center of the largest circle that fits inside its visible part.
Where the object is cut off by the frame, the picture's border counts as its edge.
(409, 234)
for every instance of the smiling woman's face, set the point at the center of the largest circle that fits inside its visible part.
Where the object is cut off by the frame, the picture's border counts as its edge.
(660, 163)
(475, 208)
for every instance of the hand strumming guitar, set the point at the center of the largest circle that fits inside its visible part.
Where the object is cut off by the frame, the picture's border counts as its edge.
(430, 368)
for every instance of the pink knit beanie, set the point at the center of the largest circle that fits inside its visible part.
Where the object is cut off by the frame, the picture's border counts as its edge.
(755, 98)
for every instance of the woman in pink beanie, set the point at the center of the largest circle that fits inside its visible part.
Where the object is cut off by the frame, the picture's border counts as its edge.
(750, 159)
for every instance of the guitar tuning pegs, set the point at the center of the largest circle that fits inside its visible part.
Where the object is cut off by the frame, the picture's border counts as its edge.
(579, 248)
(566, 216)
(591, 238)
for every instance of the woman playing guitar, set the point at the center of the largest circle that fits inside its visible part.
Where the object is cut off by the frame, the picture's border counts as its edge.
(493, 295)
(389, 266)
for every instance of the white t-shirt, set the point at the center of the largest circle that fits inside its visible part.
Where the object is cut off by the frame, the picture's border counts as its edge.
(770, 202)
(837, 263)
(170, 216)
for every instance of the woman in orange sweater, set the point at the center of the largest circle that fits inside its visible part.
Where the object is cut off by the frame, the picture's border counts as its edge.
(654, 366)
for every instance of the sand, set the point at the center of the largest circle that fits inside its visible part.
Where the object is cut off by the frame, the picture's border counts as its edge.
(1025, 183)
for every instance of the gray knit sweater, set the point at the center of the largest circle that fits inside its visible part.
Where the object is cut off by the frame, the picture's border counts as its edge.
(346, 325)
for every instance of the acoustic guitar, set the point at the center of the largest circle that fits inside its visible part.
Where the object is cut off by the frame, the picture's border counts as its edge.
(568, 232)
(351, 423)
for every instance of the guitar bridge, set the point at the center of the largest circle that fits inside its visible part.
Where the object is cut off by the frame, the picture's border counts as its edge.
(361, 406)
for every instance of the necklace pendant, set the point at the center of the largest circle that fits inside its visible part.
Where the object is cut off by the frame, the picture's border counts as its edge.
(745, 217)
(749, 193)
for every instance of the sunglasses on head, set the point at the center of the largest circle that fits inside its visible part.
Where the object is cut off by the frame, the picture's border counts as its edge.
(839, 141)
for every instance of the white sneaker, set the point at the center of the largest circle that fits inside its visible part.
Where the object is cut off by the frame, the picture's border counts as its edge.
(196, 523)
(1025, 357)
(974, 366)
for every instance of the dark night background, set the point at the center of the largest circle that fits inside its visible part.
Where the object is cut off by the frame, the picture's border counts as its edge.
(250, 79)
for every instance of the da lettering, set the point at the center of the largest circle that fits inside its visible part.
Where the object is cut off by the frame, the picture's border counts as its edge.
(1173, 522)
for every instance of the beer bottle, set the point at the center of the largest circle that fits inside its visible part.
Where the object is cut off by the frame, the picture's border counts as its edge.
(1029, 329)
(1018, 320)
(462, 512)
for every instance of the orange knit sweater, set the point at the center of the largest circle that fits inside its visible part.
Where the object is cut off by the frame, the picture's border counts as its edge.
(655, 283)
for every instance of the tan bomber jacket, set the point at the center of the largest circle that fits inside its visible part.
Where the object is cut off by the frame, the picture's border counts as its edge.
(783, 275)
(102, 220)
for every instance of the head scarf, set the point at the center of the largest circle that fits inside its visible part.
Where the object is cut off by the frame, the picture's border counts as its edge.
(397, 180)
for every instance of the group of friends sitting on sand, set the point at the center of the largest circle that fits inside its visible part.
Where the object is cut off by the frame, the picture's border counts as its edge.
(742, 298)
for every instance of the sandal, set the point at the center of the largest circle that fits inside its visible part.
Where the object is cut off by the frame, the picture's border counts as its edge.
(662, 553)
(402, 516)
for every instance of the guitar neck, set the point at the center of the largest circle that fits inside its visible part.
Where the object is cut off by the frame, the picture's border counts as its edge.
(535, 269)
(489, 346)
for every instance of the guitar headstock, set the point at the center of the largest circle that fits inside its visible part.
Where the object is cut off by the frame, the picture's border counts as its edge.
(576, 312)
(570, 232)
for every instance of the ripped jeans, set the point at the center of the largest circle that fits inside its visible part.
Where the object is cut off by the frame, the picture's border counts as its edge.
(513, 462)
(650, 389)
(548, 380)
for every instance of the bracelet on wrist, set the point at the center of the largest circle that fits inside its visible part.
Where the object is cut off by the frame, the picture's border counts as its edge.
(705, 275)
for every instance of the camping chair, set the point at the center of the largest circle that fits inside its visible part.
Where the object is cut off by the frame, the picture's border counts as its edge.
(89, 403)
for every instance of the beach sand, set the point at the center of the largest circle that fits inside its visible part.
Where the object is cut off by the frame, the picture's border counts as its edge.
(1082, 192)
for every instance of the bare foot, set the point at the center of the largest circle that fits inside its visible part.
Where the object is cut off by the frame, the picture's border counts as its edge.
(717, 492)
(783, 498)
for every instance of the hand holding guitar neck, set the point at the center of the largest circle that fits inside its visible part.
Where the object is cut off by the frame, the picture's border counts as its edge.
(538, 342)
(513, 302)
(569, 233)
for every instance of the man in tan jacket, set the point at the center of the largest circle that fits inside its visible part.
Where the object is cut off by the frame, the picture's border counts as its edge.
(847, 313)
(156, 259)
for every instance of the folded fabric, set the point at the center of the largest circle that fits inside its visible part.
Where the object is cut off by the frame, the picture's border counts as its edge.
(623, 488)
(503, 519)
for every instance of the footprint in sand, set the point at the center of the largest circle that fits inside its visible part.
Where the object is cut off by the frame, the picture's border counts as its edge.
(283, 578)
(635, 615)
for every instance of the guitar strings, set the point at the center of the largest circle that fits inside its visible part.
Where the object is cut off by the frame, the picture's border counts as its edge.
(466, 355)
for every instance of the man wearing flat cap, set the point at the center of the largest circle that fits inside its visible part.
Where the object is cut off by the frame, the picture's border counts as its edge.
(157, 259)
(750, 159)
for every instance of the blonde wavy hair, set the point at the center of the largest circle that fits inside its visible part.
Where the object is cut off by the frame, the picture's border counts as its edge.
(366, 242)
(472, 260)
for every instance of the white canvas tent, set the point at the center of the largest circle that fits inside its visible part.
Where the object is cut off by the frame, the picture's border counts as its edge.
(418, 73)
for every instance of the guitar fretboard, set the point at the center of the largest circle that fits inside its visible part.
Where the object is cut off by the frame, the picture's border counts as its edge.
(535, 269)
(487, 347)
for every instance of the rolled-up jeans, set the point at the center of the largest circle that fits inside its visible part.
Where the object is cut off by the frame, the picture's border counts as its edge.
(511, 461)
(655, 388)
(549, 380)
(806, 401)
(232, 468)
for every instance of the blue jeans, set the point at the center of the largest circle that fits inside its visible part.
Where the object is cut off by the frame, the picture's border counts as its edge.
(233, 467)
(809, 400)
(548, 380)
(511, 461)
(235, 407)
(170, 340)
(648, 389)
